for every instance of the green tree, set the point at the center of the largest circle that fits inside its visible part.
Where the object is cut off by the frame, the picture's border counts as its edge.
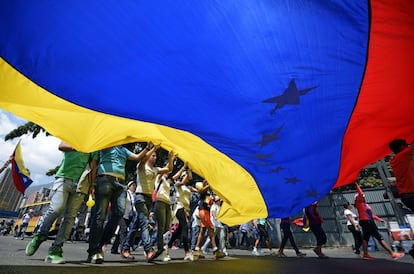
(28, 128)
(368, 178)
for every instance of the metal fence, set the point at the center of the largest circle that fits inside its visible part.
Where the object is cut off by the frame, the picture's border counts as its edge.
(334, 222)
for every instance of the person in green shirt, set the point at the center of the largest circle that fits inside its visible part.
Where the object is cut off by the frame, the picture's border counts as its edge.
(67, 197)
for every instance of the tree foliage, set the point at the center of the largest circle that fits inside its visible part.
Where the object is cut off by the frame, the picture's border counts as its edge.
(34, 130)
(369, 177)
(28, 128)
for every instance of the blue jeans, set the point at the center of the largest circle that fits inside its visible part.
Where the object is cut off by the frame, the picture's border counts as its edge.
(140, 221)
(195, 230)
(107, 189)
(64, 199)
(22, 230)
(122, 233)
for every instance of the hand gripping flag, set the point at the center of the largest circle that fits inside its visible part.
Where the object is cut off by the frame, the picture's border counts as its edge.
(273, 102)
(20, 174)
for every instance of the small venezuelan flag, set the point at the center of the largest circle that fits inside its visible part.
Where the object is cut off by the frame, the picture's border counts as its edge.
(20, 173)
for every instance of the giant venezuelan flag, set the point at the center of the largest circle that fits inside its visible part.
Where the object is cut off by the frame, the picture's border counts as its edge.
(20, 174)
(273, 102)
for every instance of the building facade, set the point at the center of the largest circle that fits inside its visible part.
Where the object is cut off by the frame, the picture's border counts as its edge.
(10, 197)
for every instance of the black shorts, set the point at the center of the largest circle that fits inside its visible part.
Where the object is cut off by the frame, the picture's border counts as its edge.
(369, 228)
(319, 233)
(262, 231)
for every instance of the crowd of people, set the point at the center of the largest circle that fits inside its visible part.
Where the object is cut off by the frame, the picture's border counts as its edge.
(143, 206)
(167, 209)
(7, 227)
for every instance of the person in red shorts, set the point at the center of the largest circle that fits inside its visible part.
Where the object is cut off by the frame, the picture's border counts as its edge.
(204, 213)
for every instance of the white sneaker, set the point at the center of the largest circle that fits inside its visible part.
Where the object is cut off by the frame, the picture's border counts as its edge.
(255, 252)
(55, 259)
(98, 258)
(189, 257)
(166, 257)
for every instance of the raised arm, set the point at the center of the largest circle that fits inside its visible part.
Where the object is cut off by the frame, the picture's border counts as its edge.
(178, 174)
(185, 179)
(150, 150)
(65, 147)
(359, 190)
(141, 154)
(169, 166)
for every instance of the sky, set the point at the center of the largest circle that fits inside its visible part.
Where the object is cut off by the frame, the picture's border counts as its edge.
(39, 154)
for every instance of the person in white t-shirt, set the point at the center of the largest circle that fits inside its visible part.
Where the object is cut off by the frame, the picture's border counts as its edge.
(146, 175)
(353, 226)
(162, 210)
(25, 223)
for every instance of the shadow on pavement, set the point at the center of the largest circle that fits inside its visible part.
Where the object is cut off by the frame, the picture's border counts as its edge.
(239, 264)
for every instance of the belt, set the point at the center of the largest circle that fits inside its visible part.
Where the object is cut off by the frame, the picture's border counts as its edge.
(111, 177)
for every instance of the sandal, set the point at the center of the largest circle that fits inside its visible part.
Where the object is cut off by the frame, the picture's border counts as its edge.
(127, 255)
(155, 255)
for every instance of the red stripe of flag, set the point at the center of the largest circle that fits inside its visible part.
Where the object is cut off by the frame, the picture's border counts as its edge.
(384, 110)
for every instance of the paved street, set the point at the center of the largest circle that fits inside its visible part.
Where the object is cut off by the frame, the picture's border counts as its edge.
(342, 260)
